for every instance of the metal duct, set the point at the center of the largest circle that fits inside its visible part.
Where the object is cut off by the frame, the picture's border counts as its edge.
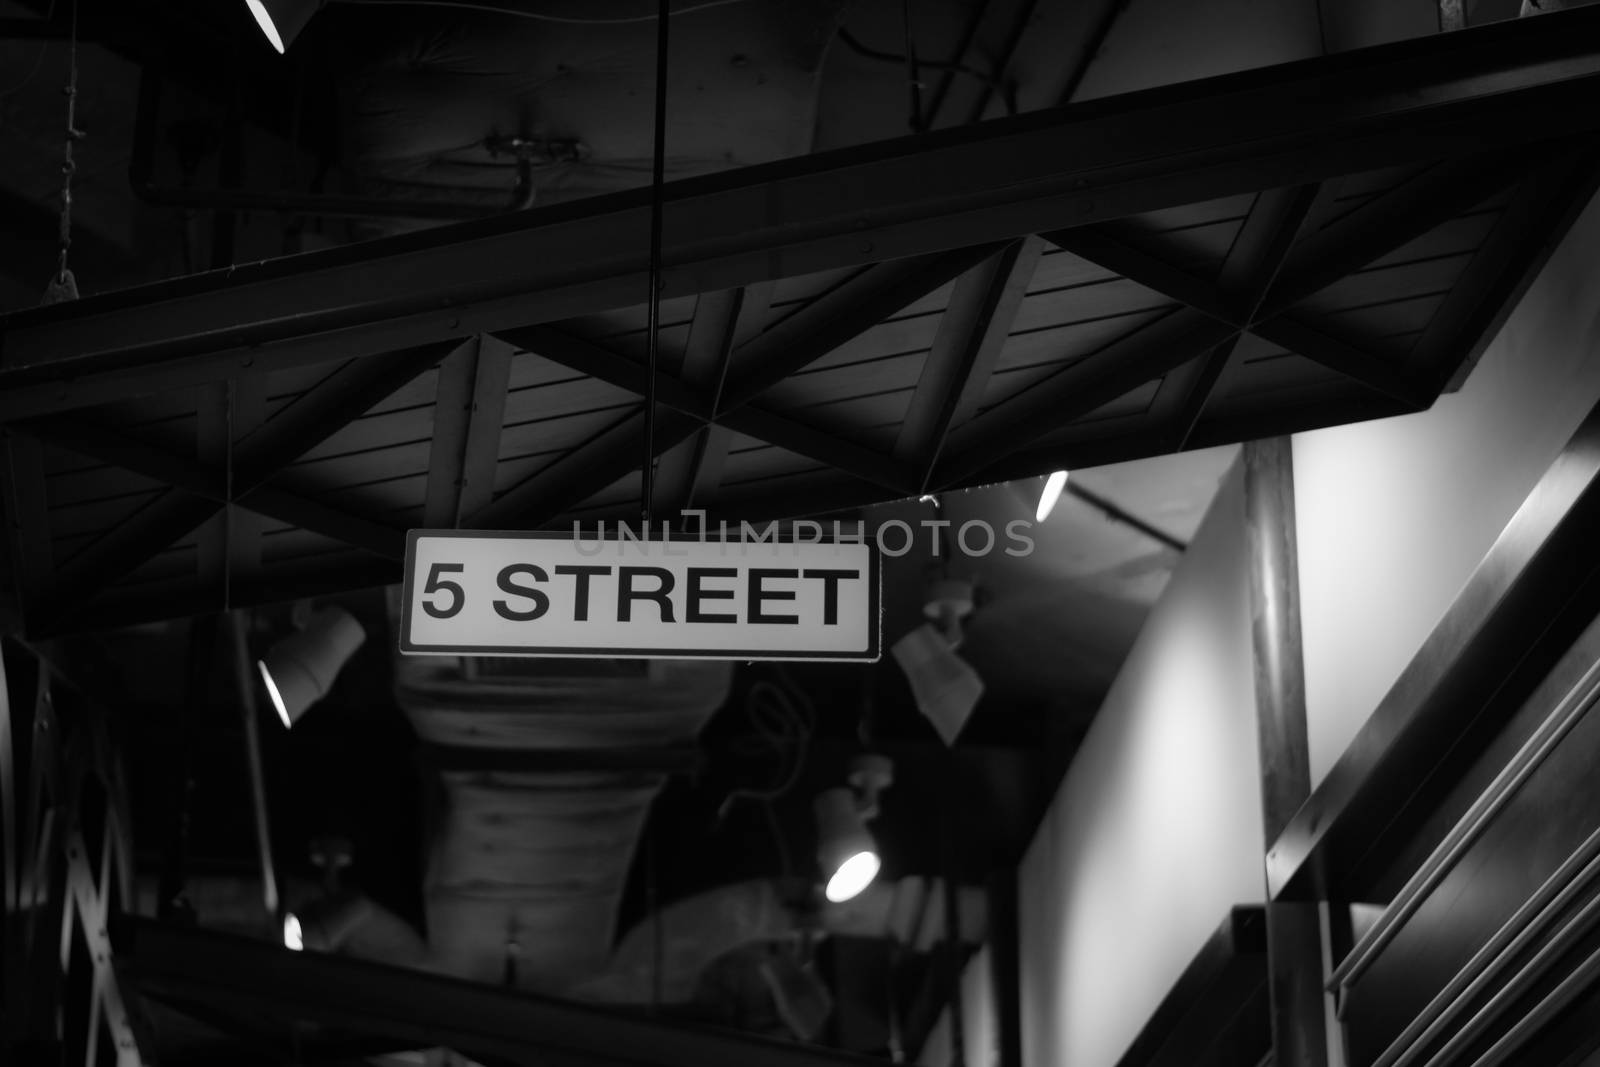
(546, 769)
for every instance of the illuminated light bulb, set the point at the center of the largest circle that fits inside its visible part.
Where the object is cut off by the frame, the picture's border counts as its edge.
(1052, 492)
(853, 875)
(327, 923)
(845, 849)
(282, 20)
(277, 698)
(300, 669)
(293, 937)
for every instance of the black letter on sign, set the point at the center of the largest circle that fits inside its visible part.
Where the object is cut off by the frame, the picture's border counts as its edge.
(626, 594)
(697, 593)
(830, 593)
(458, 598)
(541, 603)
(758, 595)
(580, 590)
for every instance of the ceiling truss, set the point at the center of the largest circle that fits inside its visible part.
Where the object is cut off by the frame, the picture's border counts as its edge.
(1502, 115)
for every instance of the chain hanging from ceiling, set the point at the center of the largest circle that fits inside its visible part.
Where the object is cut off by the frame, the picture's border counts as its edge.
(63, 285)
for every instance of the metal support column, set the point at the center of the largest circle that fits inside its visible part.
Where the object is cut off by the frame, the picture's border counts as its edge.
(1294, 939)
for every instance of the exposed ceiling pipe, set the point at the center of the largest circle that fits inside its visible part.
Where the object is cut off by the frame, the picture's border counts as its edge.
(1117, 513)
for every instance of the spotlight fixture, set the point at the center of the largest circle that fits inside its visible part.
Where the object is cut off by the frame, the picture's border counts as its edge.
(299, 670)
(845, 847)
(944, 686)
(1052, 492)
(282, 20)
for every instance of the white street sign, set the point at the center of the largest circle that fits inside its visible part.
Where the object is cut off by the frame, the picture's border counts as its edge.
(548, 594)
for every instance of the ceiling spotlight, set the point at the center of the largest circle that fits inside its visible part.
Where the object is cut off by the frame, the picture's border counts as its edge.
(945, 686)
(845, 847)
(300, 669)
(282, 20)
(1052, 492)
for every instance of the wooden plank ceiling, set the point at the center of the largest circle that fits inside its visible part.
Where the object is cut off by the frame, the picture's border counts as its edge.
(1268, 310)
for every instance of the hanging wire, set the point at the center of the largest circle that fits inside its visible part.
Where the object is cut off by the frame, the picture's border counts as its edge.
(783, 724)
(1006, 90)
(867, 721)
(647, 490)
(658, 934)
(227, 500)
(657, 180)
(913, 76)
(784, 721)
(69, 166)
(63, 286)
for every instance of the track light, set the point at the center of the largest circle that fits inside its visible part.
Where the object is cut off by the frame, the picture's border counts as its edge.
(845, 847)
(300, 669)
(282, 20)
(1052, 492)
(945, 687)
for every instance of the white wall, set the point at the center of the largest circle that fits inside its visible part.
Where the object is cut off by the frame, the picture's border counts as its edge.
(1156, 829)
(1394, 515)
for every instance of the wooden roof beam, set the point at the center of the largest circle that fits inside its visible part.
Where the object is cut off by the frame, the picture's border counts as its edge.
(1389, 221)
(311, 419)
(184, 476)
(1076, 390)
(971, 334)
(468, 414)
(838, 317)
(610, 455)
(1542, 208)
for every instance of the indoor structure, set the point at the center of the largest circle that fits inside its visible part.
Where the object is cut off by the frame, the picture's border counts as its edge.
(1213, 387)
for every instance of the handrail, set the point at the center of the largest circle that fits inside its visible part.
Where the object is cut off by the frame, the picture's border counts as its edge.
(1533, 1020)
(1552, 898)
(1579, 699)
